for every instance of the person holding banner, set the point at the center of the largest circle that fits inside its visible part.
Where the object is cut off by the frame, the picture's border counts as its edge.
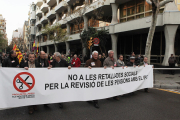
(132, 62)
(31, 64)
(58, 62)
(43, 63)
(42, 59)
(94, 62)
(110, 61)
(120, 62)
(11, 61)
(144, 63)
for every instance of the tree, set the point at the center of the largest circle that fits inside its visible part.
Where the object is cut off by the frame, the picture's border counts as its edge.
(55, 33)
(101, 34)
(80, 12)
(156, 5)
(19, 41)
(3, 42)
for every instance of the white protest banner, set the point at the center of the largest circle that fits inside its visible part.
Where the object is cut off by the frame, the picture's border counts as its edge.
(20, 87)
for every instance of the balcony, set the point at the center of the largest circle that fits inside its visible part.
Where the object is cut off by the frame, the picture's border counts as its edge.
(1, 28)
(44, 7)
(39, 13)
(38, 23)
(72, 17)
(39, 2)
(38, 33)
(51, 2)
(1, 32)
(32, 30)
(61, 6)
(71, 2)
(62, 22)
(51, 14)
(33, 15)
(44, 20)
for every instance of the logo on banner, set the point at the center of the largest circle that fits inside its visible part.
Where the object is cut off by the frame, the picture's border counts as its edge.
(24, 82)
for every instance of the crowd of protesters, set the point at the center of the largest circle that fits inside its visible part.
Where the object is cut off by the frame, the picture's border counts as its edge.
(56, 60)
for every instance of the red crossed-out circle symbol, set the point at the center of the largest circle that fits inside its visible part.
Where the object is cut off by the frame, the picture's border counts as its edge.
(96, 40)
(19, 79)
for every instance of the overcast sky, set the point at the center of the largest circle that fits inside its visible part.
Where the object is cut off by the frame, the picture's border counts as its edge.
(15, 12)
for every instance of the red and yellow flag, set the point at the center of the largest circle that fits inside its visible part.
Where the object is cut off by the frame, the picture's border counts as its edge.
(18, 53)
(14, 48)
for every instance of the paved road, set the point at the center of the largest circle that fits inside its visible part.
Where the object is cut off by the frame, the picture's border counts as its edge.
(156, 105)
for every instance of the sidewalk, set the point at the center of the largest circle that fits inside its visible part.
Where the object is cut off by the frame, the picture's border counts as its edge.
(166, 81)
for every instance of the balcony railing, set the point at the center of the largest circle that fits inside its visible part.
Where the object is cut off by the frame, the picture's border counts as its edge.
(51, 2)
(51, 14)
(39, 2)
(1, 27)
(39, 13)
(38, 23)
(61, 6)
(44, 7)
(44, 19)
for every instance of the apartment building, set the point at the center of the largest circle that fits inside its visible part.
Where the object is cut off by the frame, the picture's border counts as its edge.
(31, 28)
(128, 25)
(3, 31)
(25, 35)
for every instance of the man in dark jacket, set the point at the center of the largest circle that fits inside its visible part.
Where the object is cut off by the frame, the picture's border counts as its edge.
(43, 62)
(11, 61)
(132, 62)
(101, 59)
(3, 57)
(42, 59)
(31, 64)
(94, 62)
(58, 62)
(172, 62)
(31, 60)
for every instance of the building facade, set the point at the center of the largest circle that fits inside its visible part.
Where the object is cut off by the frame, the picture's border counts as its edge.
(31, 28)
(3, 32)
(25, 36)
(128, 25)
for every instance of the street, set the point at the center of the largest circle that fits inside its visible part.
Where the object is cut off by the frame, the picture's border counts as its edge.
(155, 105)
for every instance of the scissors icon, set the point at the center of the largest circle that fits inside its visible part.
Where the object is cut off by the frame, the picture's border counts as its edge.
(21, 86)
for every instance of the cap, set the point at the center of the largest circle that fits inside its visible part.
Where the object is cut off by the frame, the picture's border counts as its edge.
(132, 57)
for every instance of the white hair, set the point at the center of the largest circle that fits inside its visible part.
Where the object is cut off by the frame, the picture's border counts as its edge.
(110, 51)
(57, 54)
(94, 52)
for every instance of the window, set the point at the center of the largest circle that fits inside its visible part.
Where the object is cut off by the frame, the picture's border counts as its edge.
(130, 11)
(147, 7)
(136, 9)
(140, 6)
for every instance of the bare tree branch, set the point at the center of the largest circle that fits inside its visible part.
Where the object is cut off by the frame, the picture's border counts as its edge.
(162, 3)
(149, 2)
